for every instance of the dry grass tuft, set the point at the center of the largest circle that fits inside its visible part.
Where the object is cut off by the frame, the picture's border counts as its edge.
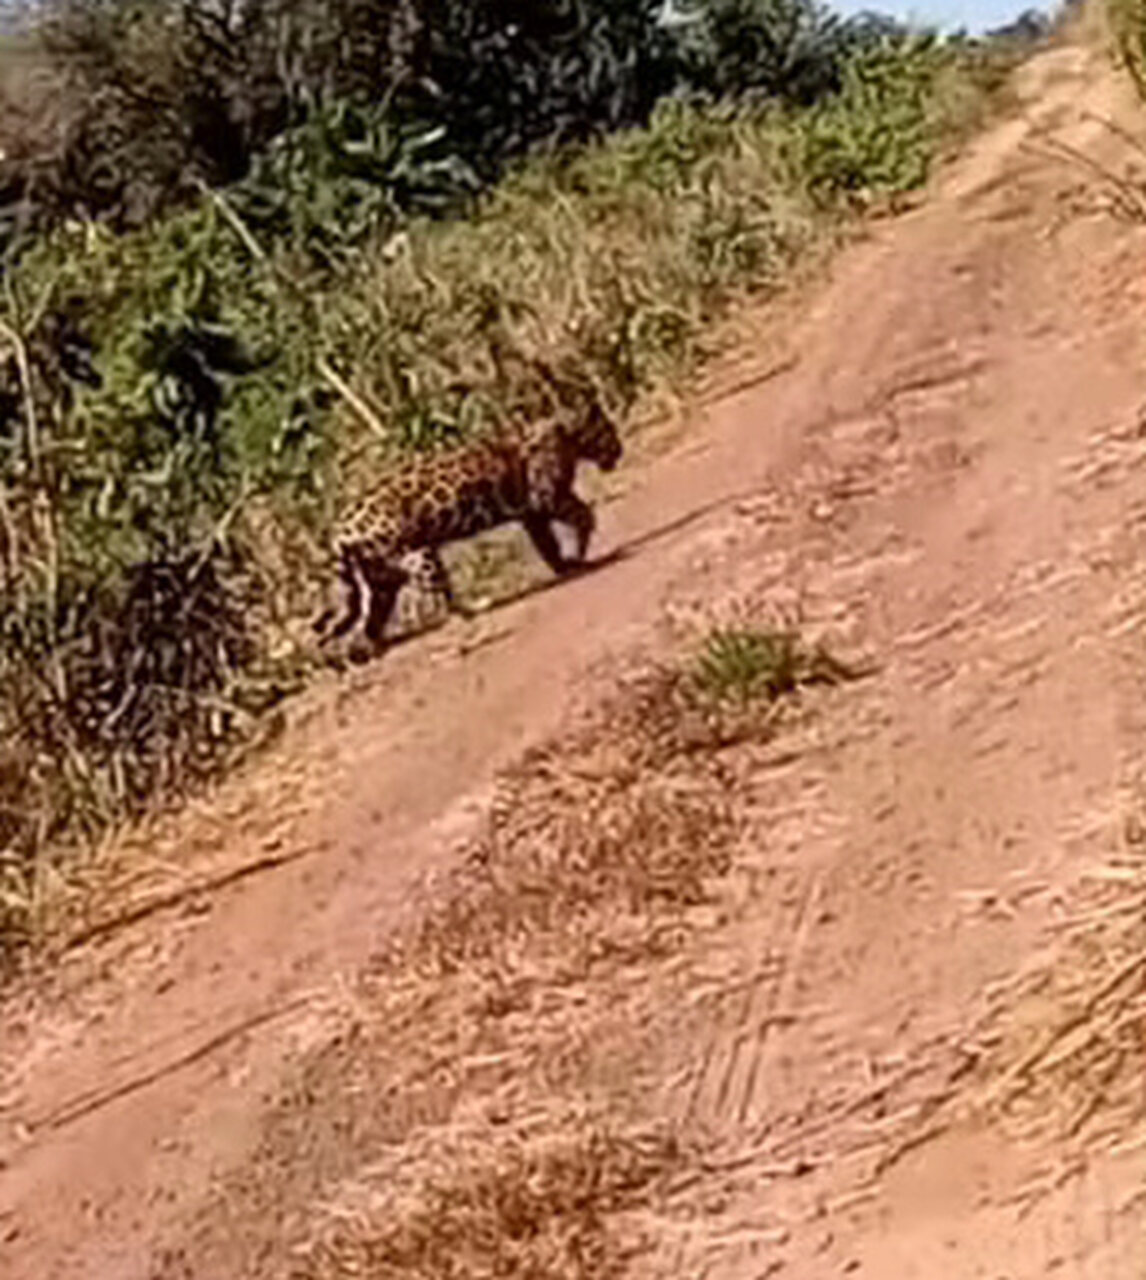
(541, 1206)
(1073, 1064)
(581, 830)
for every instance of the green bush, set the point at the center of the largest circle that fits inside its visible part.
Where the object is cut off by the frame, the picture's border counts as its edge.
(877, 133)
(153, 97)
(346, 173)
(142, 517)
(614, 259)
(790, 50)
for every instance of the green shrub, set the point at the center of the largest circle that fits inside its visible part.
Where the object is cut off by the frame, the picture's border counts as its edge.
(789, 50)
(150, 99)
(877, 133)
(615, 258)
(153, 97)
(346, 173)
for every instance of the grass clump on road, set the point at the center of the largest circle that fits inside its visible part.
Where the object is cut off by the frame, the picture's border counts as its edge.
(629, 812)
(467, 1081)
(745, 664)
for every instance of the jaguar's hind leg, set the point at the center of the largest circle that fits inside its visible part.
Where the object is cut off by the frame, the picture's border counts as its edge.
(440, 585)
(349, 575)
(383, 582)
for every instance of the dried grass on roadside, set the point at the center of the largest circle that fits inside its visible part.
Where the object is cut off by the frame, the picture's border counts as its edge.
(618, 827)
(1070, 1062)
(1056, 1058)
(542, 1206)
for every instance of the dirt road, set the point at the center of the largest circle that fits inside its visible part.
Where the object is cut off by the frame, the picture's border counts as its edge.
(895, 1025)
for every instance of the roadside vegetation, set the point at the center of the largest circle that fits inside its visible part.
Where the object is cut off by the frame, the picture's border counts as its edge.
(1128, 20)
(251, 253)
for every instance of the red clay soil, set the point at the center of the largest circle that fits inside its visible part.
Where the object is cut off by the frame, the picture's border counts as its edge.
(861, 994)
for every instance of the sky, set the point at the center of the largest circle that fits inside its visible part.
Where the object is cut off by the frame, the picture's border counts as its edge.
(974, 15)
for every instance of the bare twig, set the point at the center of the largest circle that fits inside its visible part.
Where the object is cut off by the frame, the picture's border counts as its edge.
(41, 506)
(352, 398)
(23, 367)
(1024, 1067)
(1118, 130)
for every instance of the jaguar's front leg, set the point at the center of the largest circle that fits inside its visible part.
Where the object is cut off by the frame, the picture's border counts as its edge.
(541, 534)
(578, 515)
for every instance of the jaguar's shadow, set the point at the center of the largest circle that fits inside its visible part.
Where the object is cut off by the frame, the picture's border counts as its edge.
(509, 598)
(628, 549)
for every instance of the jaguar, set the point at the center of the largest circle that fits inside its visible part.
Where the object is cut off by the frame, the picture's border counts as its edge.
(521, 472)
